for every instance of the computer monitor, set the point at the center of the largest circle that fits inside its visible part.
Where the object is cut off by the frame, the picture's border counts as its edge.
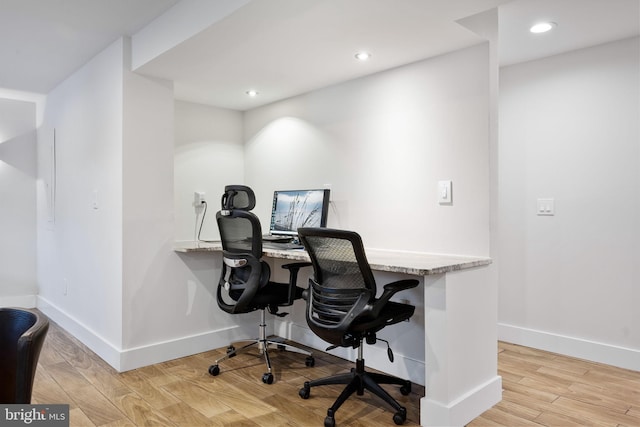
(292, 209)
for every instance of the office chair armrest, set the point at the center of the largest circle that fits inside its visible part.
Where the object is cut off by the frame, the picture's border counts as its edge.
(400, 285)
(294, 268)
(391, 289)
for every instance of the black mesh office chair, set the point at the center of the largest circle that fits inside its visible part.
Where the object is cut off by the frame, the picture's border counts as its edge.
(22, 334)
(244, 284)
(343, 310)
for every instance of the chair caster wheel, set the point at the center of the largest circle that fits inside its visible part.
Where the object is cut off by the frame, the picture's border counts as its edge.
(400, 417)
(267, 378)
(330, 421)
(231, 351)
(310, 361)
(406, 388)
(214, 370)
(305, 391)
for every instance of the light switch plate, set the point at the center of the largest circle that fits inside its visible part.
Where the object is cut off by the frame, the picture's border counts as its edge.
(546, 207)
(94, 199)
(444, 192)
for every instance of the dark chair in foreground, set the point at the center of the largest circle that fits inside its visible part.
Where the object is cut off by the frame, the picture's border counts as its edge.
(343, 310)
(244, 284)
(22, 333)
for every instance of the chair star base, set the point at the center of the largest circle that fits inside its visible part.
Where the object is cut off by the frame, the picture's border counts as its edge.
(357, 381)
(264, 344)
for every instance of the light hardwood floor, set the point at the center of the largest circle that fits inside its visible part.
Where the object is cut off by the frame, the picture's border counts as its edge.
(182, 393)
(540, 388)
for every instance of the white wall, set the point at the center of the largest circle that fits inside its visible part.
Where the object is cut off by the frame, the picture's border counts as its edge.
(569, 130)
(169, 299)
(18, 285)
(383, 142)
(180, 315)
(148, 221)
(80, 256)
(209, 154)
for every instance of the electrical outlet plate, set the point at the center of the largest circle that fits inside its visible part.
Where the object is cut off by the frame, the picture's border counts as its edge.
(198, 198)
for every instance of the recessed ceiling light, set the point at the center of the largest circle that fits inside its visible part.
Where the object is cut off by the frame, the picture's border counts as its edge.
(252, 93)
(363, 56)
(542, 27)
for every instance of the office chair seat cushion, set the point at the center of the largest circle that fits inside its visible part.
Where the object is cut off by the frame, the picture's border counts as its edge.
(392, 312)
(273, 294)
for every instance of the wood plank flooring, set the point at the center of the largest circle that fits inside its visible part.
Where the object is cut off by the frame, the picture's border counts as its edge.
(540, 389)
(182, 393)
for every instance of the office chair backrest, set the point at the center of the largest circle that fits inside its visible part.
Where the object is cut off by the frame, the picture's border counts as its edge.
(343, 284)
(243, 271)
(240, 233)
(22, 334)
(240, 230)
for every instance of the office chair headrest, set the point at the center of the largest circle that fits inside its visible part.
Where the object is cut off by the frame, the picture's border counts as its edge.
(238, 197)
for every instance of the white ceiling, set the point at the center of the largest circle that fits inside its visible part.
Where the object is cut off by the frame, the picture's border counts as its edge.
(283, 48)
(44, 41)
(580, 23)
(286, 47)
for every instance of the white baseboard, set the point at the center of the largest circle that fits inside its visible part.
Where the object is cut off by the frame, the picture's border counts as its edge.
(622, 357)
(464, 409)
(181, 347)
(100, 346)
(21, 301)
(128, 359)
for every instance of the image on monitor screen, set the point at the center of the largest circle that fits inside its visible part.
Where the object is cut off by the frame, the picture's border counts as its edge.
(293, 209)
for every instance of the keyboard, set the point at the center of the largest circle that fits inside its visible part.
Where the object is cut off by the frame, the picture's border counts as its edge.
(281, 246)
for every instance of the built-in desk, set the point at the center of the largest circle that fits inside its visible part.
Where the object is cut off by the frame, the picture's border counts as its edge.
(460, 324)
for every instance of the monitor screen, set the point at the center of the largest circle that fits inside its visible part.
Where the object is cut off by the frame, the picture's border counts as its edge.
(298, 208)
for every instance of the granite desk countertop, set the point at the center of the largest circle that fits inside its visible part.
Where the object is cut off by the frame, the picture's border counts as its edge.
(415, 263)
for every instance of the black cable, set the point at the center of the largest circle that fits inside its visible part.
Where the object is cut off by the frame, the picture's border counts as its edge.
(202, 220)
